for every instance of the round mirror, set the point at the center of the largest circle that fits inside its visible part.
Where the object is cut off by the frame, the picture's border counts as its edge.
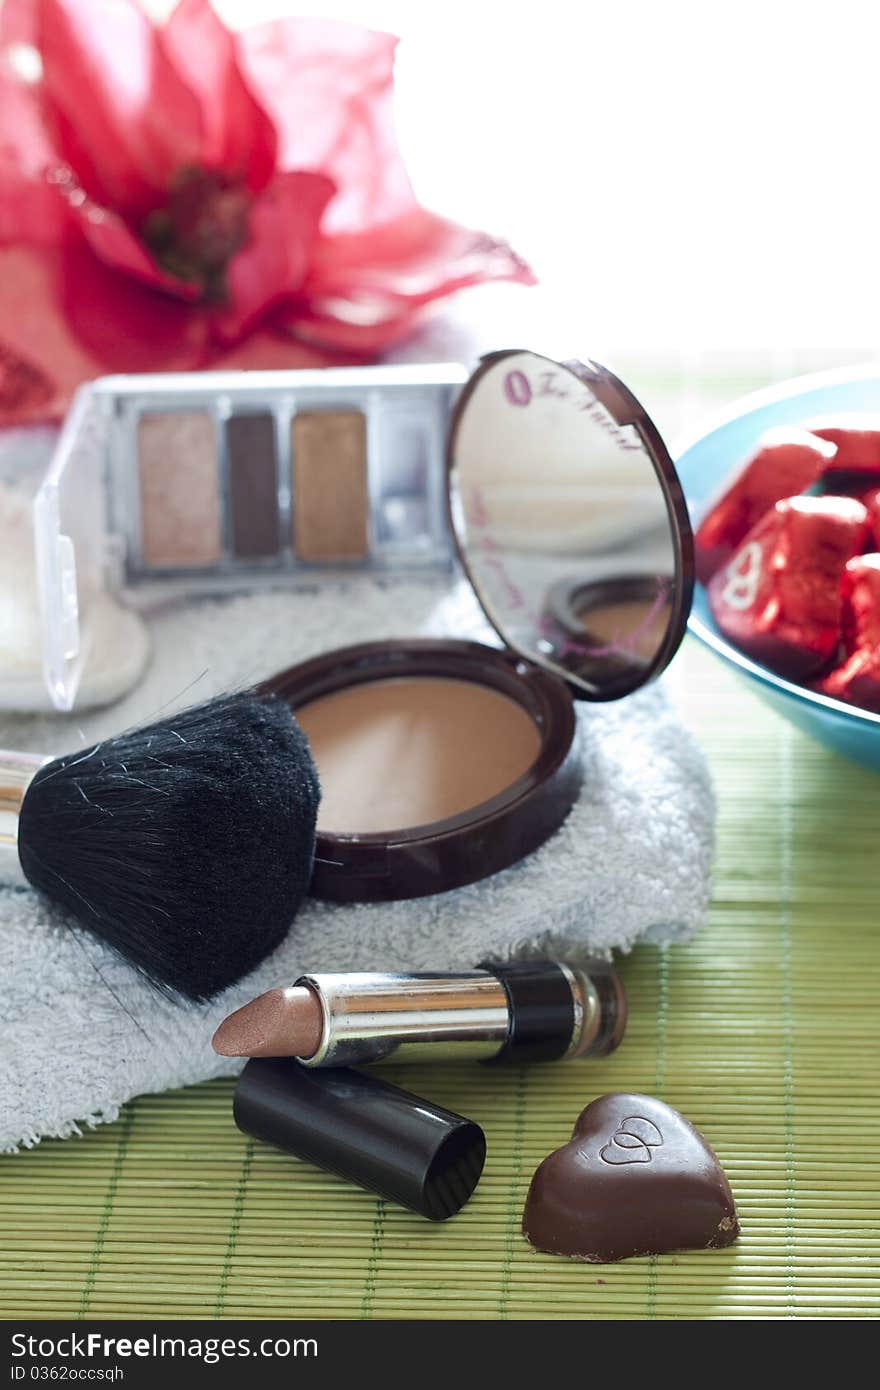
(570, 521)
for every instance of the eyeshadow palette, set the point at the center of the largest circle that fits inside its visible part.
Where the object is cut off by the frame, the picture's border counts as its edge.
(198, 483)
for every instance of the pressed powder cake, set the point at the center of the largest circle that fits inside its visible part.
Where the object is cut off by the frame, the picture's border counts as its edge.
(392, 754)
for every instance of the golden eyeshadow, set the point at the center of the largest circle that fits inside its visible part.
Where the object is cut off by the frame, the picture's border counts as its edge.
(329, 463)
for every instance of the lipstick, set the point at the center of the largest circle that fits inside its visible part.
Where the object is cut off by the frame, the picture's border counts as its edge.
(528, 1011)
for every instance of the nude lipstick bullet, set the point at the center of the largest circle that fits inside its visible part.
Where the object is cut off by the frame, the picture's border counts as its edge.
(527, 1011)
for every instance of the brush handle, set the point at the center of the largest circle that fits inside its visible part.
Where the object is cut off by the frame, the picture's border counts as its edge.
(17, 771)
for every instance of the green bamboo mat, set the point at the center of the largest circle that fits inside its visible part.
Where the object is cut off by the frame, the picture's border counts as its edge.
(764, 1031)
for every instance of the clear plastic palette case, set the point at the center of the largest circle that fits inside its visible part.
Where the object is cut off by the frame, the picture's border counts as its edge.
(173, 485)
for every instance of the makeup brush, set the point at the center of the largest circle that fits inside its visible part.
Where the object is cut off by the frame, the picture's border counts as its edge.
(187, 845)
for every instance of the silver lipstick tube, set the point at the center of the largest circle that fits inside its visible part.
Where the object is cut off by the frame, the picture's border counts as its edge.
(461, 1016)
(17, 771)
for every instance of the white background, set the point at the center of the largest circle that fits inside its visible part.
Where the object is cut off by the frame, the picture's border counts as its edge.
(694, 175)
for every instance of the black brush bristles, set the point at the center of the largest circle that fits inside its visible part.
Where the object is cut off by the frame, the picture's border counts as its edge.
(187, 845)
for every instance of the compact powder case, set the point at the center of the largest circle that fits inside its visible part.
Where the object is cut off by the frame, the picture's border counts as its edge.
(485, 818)
(442, 762)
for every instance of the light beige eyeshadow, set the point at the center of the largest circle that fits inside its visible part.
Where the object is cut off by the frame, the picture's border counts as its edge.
(394, 754)
(179, 490)
(330, 502)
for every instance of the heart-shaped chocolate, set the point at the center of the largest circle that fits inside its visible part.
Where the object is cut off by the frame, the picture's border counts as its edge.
(634, 1179)
(633, 1142)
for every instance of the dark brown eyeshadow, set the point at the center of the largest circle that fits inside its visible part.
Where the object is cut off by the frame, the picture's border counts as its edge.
(253, 485)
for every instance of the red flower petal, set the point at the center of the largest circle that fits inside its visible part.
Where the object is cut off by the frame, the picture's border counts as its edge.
(125, 326)
(237, 134)
(18, 22)
(329, 88)
(43, 360)
(34, 330)
(265, 350)
(30, 209)
(25, 390)
(325, 332)
(412, 260)
(283, 227)
(67, 315)
(363, 292)
(338, 250)
(121, 115)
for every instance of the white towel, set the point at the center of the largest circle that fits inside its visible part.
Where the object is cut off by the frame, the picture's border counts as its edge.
(81, 1032)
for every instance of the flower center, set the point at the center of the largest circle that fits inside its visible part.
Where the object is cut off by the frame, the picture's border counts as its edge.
(196, 234)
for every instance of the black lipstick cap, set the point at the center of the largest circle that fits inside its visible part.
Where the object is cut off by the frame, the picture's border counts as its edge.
(384, 1139)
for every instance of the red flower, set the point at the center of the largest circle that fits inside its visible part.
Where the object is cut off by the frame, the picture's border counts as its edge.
(183, 197)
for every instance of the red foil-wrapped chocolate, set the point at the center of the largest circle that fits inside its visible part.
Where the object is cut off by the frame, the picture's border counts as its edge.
(787, 461)
(857, 679)
(871, 500)
(856, 438)
(779, 598)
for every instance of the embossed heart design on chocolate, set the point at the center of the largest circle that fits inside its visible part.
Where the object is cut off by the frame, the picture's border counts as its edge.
(633, 1142)
(653, 1186)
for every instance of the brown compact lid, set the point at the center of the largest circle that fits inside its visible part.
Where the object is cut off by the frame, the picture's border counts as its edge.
(570, 521)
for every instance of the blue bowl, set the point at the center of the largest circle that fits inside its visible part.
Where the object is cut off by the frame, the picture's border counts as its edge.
(703, 467)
